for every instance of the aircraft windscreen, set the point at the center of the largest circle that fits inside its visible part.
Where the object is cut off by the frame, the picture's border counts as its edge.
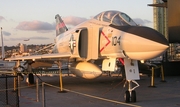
(128, 19)
(115, 18)
(108, 16)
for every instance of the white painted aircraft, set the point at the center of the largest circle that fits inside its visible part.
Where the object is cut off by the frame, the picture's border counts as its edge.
(108, 36)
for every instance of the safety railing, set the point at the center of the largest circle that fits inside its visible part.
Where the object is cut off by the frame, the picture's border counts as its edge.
(9, 90)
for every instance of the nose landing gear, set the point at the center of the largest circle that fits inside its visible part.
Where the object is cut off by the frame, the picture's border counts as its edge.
(130, 94)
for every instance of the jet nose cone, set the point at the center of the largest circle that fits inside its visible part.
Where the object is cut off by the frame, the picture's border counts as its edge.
(141, 43)
(144, 32)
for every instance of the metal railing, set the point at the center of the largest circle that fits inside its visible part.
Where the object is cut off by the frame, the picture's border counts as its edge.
(9, 90)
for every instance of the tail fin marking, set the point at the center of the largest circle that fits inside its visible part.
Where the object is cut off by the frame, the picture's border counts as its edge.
(60, 26)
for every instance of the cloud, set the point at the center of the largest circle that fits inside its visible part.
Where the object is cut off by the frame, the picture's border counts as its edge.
(141, 21)
(1, 18)
(35, 26)
(38, 37)
(72, 20)
(34, 37)
(6, 33)
(44, 27)
(15, 39)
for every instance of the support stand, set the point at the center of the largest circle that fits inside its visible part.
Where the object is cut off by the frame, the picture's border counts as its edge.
(19, 85)
(37, 90)
(162, 74)
(15, 74)
(60, 78)
(152, 78)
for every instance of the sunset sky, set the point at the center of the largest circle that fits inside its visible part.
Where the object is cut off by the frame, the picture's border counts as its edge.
(35, 19)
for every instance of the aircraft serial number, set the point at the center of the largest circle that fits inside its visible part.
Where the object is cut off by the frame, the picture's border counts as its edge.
(116, 40)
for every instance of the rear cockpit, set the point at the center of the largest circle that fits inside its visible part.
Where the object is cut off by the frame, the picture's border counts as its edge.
(116, 18)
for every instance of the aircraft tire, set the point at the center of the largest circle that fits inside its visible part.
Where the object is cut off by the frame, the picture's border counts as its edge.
(31, 78)
(127, 96)
(133, 96)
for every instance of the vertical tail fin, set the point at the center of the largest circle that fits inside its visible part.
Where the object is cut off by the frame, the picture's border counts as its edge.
(60, 26)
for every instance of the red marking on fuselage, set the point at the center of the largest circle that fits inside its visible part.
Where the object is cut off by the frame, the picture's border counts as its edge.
(108, 42)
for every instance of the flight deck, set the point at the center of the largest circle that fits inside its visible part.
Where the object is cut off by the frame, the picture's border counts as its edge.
(104, 91)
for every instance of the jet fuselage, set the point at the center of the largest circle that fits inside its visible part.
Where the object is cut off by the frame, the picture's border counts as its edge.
(134, 42)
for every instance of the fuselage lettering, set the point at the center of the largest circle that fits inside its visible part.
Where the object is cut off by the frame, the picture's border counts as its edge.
(116, 40)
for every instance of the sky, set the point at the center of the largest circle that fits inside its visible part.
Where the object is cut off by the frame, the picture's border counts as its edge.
(35, 19)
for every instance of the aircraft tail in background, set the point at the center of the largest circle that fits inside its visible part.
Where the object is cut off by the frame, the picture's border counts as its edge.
(60, 25)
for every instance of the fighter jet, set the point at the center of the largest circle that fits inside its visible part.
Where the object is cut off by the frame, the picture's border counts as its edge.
(109, 36)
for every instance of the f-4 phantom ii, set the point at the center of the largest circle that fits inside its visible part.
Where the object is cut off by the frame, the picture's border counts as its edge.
(108, 36)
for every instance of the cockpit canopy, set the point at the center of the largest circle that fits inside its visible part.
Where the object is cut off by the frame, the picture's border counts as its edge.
(115, 18)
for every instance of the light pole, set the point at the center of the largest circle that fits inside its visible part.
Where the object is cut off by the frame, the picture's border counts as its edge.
(2, 45)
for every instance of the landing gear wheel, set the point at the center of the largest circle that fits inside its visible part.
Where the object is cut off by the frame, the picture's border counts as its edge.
(127, 96)
(133, 96)
(31, 78)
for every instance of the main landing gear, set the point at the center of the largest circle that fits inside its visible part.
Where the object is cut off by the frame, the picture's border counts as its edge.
(31, 78)
(130, 94)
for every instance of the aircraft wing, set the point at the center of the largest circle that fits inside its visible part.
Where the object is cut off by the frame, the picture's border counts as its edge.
(39, 57)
